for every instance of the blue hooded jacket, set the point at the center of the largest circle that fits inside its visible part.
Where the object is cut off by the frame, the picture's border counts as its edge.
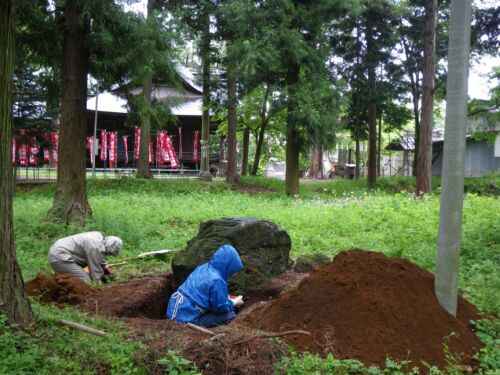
(205, 290)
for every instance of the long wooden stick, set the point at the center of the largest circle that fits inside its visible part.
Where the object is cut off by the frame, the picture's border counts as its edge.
(81, 327)
(201, 329)
(276, 334)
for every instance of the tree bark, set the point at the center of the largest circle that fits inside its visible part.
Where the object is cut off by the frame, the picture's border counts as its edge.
(372, 106)
(244, 157)
(424, 155)
(13, 302)
(292, 145)
(264, 120)
(232, 175)
(452, 182)
(205, 119)
(70, 203)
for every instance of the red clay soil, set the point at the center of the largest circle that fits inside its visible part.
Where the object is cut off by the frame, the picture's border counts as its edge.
(366, 306)
(60, 289)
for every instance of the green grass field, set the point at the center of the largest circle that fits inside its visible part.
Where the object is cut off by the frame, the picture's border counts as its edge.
(328, 217)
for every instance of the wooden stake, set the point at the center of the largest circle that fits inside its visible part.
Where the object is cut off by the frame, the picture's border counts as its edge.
(81, 327)
(201, 329)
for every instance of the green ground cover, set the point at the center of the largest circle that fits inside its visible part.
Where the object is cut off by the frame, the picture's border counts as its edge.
(328, 217)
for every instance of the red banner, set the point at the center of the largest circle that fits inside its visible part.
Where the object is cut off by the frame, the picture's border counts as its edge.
(150, 152)
(104, 145)
(174, 163)
(159, 143)
(23, 155)
(195, 147)
(180, 142)
(54, 139)
(164, 150)
(33, 151)
(13, 151)
(125, 147)
(46, 154)
(112, 147)
(137, 141)
(89, 147)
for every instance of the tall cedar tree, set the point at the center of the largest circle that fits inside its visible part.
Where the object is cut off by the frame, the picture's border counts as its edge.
(147, 87)
(452, 182)
(13, 302)
(424, 153)
(70, 203)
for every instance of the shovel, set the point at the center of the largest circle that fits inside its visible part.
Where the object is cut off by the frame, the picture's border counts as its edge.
(157, 253)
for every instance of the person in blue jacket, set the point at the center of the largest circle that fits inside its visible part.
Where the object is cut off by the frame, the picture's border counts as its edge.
(203, 299)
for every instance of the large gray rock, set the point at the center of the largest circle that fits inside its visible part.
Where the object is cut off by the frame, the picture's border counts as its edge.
(264, 248)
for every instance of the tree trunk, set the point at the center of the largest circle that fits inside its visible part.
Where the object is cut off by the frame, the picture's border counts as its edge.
(319, 158)
(244, 157)
(424, 155)
(205, 119)
(356, 136)
(232, 175)
(70, 203)
(292, 145)
(312, 162)
(372, 106)
(450, 217)
(13, 302)
(143, 169)
(264, 119)
(379, 148)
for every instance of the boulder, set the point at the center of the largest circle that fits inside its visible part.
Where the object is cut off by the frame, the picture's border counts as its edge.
(264, 248)
(309, 262)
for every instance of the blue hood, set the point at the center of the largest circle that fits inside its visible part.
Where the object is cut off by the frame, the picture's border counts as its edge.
(227, 261)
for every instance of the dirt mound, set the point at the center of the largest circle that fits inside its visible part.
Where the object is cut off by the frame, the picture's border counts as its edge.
(60, 289)
(145, 297)
(367, 306)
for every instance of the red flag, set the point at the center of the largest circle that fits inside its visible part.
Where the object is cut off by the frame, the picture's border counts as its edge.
(33, 151)
(158, 148)
(46, 154)
(195, 147)
(54, 139)
(171, 154)
(125, 147)
(13, 151)
(89, 146)
(164, 152)
(112, 147)
(23, 155)
(180, 142)
(150, 152)
(137, 141)
(104, 145)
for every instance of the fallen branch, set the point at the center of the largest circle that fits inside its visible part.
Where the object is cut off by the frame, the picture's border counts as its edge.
(201, 329)
(276, 334)
(81, 327)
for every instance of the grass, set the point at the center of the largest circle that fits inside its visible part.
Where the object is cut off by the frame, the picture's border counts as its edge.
(328, 217)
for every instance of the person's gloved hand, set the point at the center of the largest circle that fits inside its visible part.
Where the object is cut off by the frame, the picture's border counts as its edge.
(107, 271)
(237, 300)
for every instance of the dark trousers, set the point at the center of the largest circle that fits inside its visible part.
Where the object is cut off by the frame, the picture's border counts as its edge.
(209, 319)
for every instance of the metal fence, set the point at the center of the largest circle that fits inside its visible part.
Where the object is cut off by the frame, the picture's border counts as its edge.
(46, 174)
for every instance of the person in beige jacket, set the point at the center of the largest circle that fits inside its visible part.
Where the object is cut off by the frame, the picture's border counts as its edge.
(70, 255)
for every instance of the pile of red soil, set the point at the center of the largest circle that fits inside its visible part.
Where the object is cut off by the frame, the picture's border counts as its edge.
(367, 306)
(60, 289)
(145, 297)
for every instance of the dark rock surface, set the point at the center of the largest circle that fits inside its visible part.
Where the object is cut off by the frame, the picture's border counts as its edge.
(309, 262)
(264, 248)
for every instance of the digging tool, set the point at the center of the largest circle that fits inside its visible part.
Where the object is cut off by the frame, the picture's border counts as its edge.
(157, 253)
